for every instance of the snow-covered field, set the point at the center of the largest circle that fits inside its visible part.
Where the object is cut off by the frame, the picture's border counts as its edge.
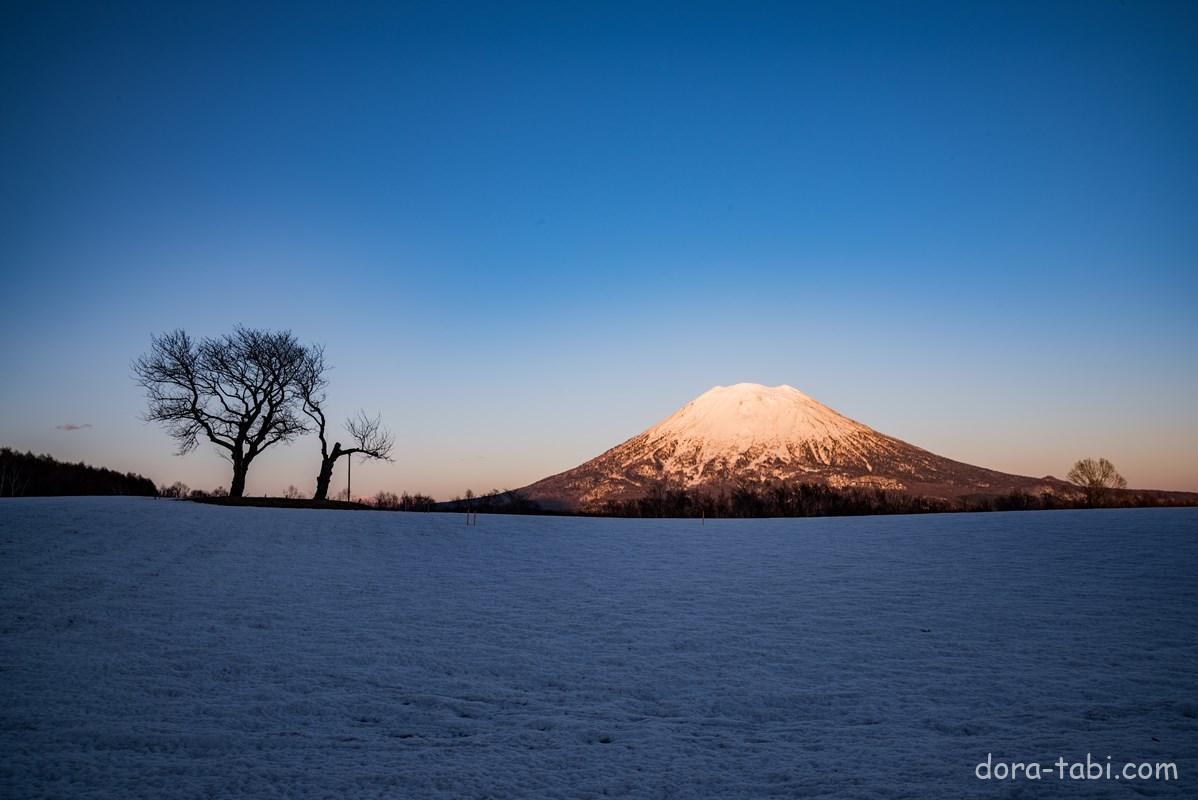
(164, 649)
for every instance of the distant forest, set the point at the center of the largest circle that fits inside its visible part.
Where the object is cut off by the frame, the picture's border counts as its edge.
(813, 500)
(29, 475)
(818, 500)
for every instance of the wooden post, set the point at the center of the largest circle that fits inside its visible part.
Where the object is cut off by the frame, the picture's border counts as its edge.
(349, 474)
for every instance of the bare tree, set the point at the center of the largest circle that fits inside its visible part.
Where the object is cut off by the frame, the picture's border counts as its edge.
(176, 489)
(387, 500)
(370, 439)
(1096, 477)
(238, 391)
(12, 481)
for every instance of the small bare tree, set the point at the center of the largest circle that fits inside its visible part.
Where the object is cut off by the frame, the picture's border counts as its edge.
(370, 439)
(1096, 477)
(12, 480)
(176, 489)
(238, 391)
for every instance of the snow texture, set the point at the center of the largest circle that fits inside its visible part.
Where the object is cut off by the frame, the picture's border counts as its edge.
(159, 649)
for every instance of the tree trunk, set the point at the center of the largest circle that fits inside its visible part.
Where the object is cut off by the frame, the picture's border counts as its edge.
(326, 473)
(237, 487)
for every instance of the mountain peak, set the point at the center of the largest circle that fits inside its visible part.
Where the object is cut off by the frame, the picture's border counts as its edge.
(744, 414)
(748, 433)
(751, 388)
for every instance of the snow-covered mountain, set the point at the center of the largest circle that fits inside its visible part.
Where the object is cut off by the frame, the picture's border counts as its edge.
(754, 434)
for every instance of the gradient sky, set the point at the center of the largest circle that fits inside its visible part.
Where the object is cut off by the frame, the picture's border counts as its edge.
(525, 233)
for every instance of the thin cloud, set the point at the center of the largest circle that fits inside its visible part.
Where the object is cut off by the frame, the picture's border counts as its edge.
(70, 426)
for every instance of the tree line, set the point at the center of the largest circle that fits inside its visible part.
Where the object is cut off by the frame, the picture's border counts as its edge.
(820, 500)
(390, 501)
(245, 392)
(778, 500)
(1099, 485)
(29, 475)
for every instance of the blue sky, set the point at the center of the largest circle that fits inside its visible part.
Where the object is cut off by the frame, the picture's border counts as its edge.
(526, 233)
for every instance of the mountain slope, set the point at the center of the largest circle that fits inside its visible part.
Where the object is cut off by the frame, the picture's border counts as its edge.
(753, 434)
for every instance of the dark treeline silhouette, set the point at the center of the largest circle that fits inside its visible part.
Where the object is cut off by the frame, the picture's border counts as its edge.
(781, 500)
(1114, 498)
(806, 500)
(180, 490)
(744, 502)
(818, 500)
(29, 475)
(390, 501)
(496, 501)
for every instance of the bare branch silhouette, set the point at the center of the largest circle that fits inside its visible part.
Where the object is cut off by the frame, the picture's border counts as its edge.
(370, 439)
(1097, 477)
(237, 391)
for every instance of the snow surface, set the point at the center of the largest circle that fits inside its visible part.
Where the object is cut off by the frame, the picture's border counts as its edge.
(164, 649)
